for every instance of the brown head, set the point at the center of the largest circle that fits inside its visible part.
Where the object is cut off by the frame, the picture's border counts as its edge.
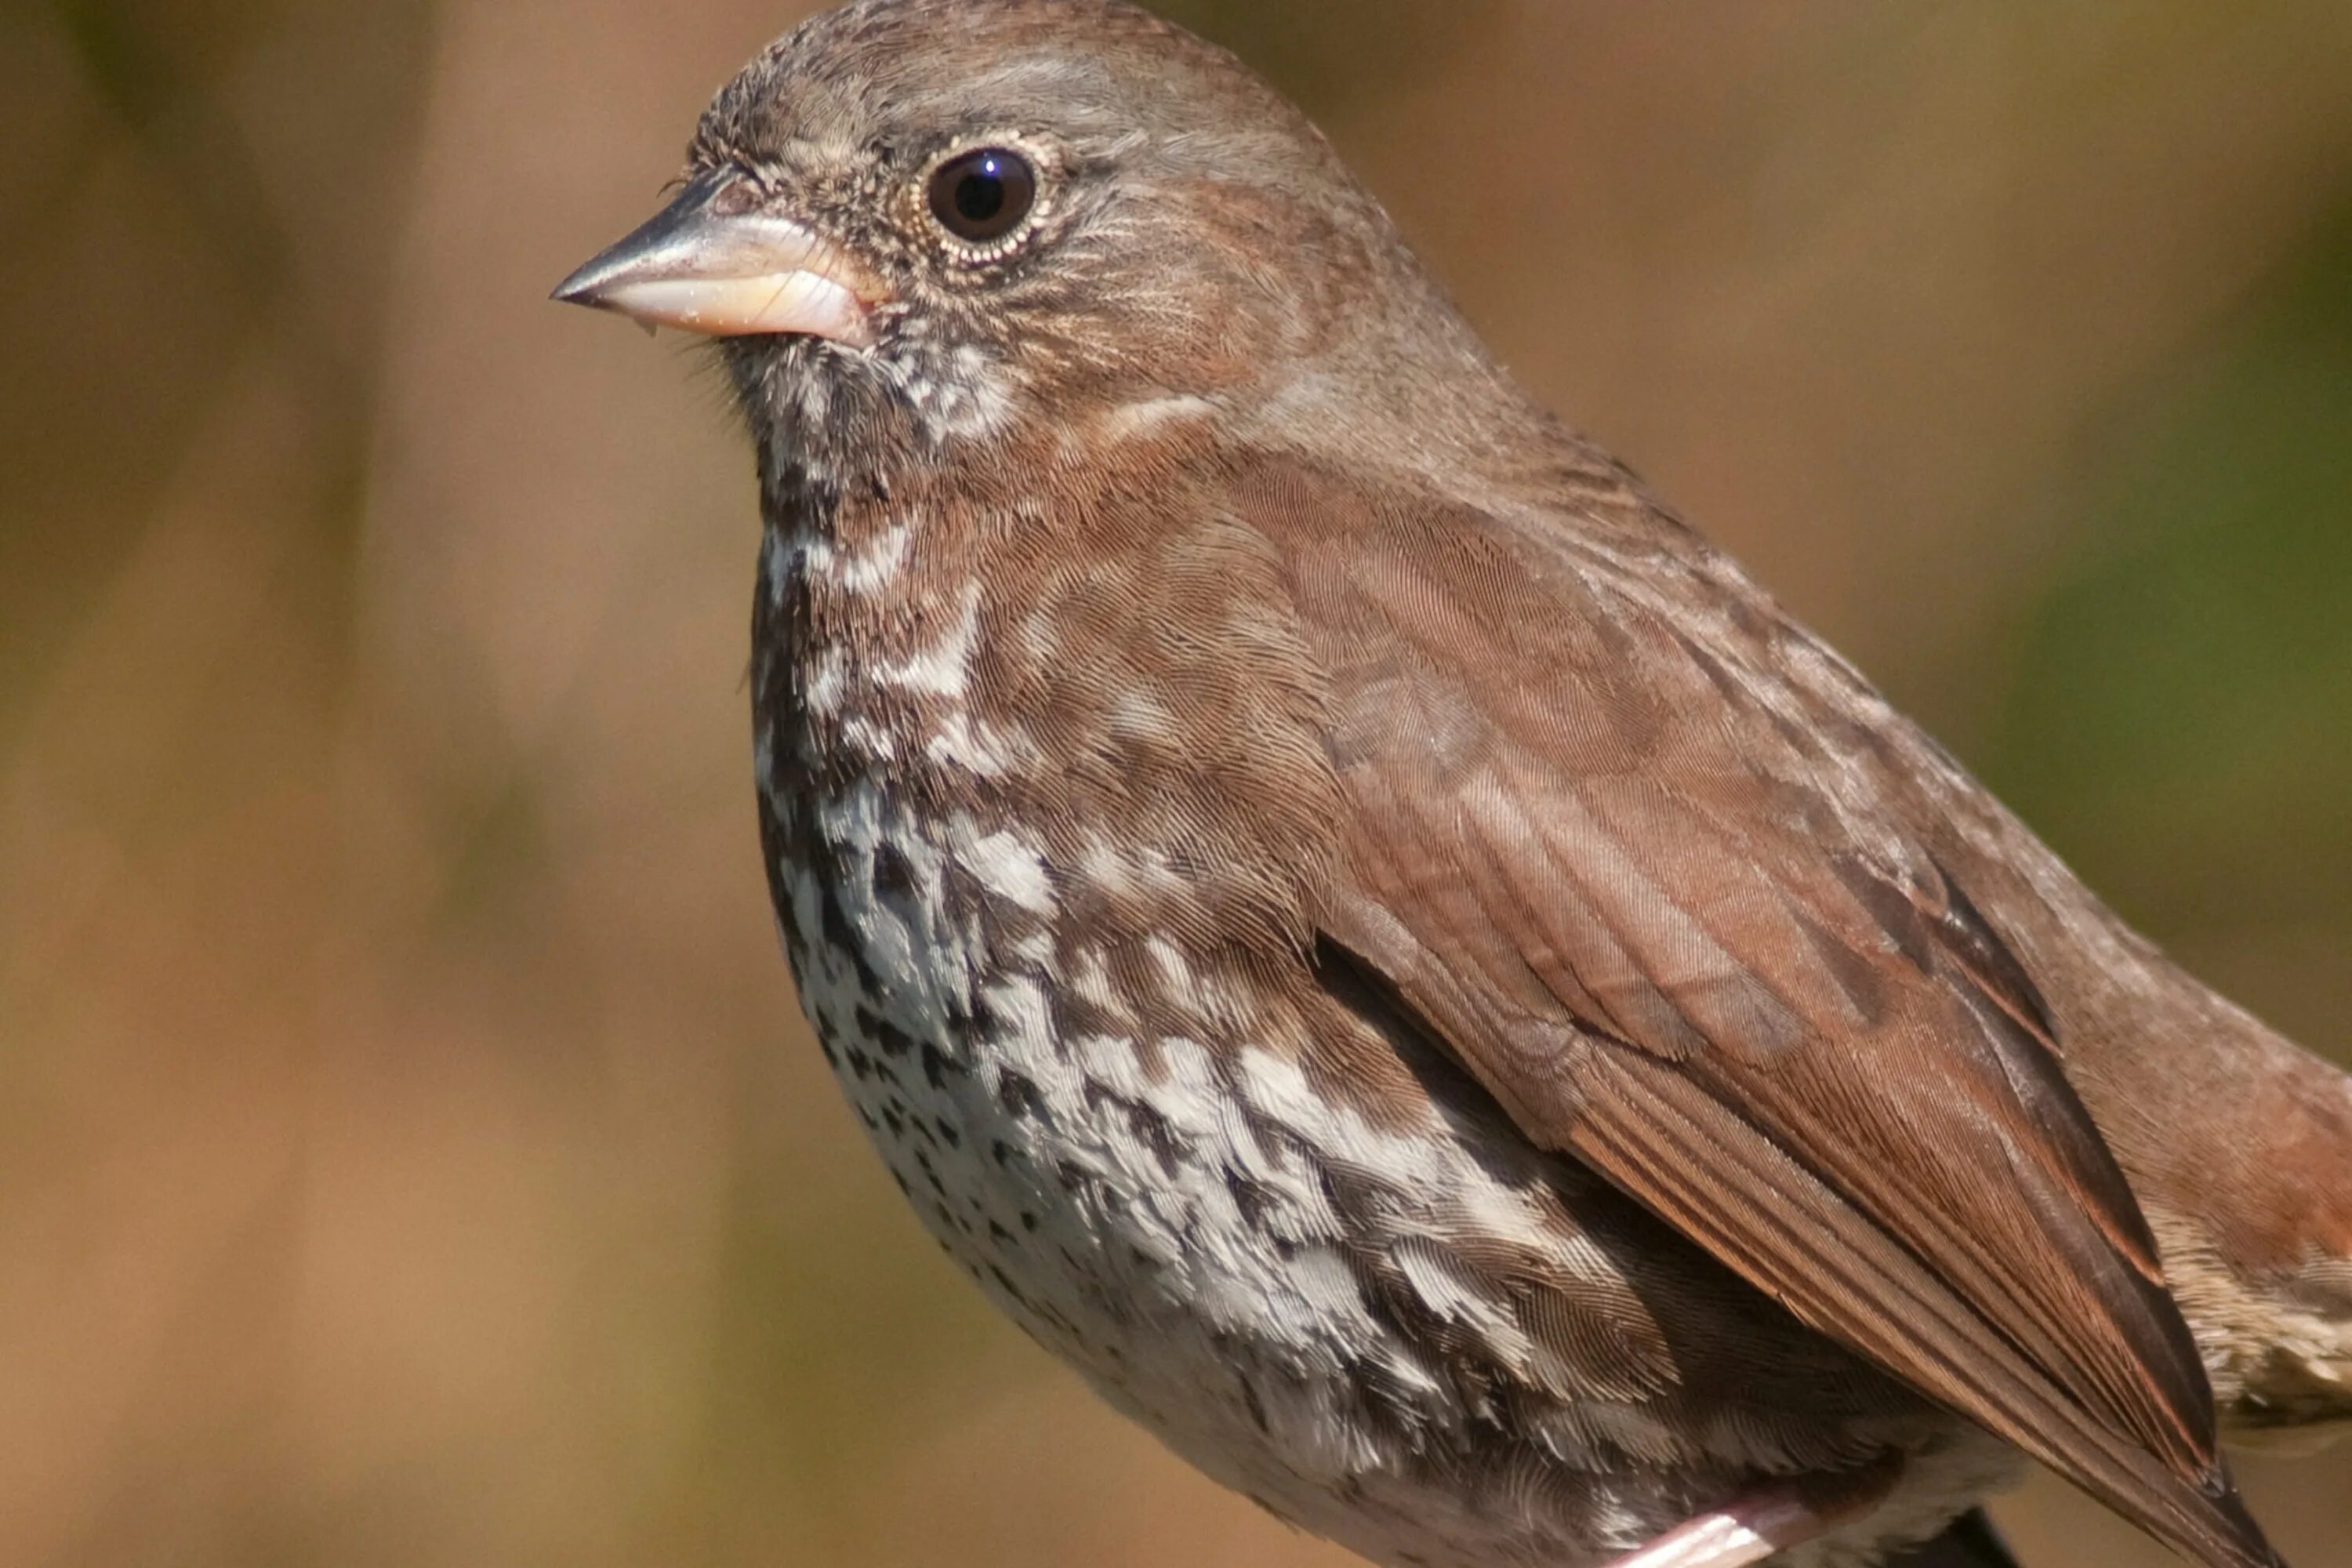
(917, 222)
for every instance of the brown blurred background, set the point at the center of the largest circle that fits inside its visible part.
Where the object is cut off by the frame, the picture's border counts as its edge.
(409, 1152)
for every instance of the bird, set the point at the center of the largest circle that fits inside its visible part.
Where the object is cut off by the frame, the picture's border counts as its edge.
(1366, 934)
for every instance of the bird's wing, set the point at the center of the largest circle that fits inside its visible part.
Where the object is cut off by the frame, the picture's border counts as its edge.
(1616, 831)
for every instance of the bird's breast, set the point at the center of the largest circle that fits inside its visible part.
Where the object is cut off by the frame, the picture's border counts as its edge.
(1119, 1098)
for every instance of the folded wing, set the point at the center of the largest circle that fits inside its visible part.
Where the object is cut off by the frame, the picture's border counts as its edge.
(1620, 834)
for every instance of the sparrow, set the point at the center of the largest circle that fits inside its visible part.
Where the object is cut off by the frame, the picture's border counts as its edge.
(1368, 936)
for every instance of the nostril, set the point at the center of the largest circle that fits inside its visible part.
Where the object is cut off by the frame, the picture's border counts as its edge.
(735, 198)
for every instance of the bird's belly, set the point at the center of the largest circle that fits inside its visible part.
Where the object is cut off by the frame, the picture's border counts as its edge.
(1161, 1213)
(1123, 1216)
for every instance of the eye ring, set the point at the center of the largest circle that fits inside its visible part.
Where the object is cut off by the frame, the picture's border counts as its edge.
(984, 196)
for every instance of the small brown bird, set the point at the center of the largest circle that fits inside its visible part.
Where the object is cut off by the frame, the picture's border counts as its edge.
(1367, 935)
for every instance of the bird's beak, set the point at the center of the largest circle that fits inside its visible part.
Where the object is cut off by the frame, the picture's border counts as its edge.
(701, 267)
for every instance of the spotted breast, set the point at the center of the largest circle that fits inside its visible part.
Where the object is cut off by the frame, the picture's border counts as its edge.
(1244, 1198)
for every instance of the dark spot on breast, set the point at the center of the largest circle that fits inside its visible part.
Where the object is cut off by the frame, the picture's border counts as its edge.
(894, 874)
(938, 1067)
(841, 936)
(1151, 1128)
(1020, 1097)
(1159, 1138)
(1251, 1198)
(894, 1041)
(1274, 1141)
(1001, 1235)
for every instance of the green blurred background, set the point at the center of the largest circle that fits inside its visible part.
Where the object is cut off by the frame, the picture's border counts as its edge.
(409, 1154)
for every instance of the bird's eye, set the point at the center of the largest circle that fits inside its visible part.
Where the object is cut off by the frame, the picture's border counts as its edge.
(980, 197)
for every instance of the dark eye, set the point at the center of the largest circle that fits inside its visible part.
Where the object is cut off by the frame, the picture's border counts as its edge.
(984, 196)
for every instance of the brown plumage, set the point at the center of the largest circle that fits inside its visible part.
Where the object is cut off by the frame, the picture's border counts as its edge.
(1376, 942)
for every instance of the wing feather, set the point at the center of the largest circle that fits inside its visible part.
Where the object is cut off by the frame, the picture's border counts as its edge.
(1632, 855)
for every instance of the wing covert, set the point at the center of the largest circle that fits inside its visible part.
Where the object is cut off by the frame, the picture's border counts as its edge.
(1629, 854)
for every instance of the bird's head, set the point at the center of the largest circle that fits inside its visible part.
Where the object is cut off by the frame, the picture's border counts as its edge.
(917, 224)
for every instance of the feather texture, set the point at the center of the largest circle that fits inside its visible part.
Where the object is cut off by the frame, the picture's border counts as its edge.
(1676, 933)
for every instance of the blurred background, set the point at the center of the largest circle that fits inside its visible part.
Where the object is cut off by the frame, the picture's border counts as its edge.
(409, 1151)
